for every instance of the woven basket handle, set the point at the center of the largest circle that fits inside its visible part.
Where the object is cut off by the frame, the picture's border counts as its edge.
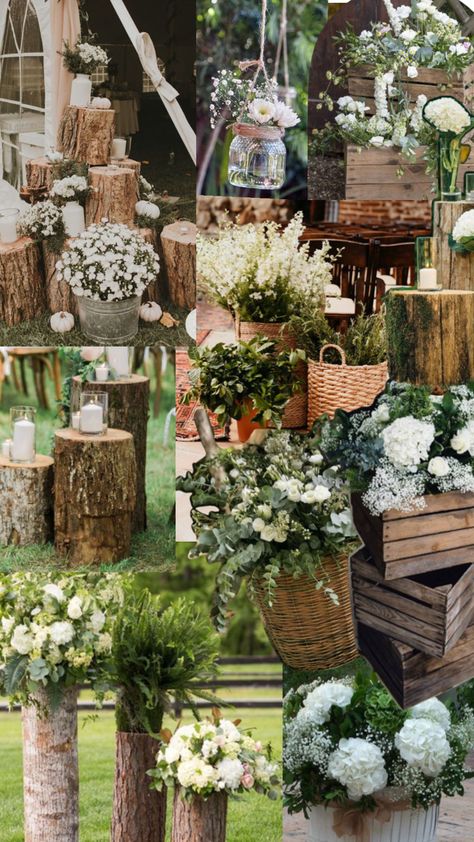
(336, 348)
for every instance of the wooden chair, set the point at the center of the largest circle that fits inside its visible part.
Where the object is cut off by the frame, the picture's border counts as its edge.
(353, 270)
(42, 360)
(397, 259)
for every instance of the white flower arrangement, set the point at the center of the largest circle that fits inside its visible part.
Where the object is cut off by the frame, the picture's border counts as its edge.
(423, 744)
(70, 188)
(83, 56)
(318, 703)
(42, 221)
(462, 236)
(446, 114)
(359, 766)
(108, 262)
(214, 756)
(237, 97)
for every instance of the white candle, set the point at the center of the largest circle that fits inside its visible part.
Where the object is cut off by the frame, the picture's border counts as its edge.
(23, 445)
(74, 219)
(118, 360)
(92, 418)
(6, 445)
(428, 279)
(8, 233)
(119, 148)
(75, 420)
(102, 372)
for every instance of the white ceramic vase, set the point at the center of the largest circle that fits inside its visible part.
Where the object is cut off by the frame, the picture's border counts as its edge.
(404, 826)
(81, 90)
(74, 219)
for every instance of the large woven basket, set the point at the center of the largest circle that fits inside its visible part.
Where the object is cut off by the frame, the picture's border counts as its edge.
(306, 629)
(296, 410)
(332, 387)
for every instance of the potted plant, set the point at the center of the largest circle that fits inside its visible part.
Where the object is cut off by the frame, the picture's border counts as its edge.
(82, 58)
(161, 656)
(55, 634)
(108, 267)
(248, 381)
(360, 767)
(280, 518)
(206, 762)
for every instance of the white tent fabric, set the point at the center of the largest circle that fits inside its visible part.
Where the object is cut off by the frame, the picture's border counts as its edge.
(65, 26)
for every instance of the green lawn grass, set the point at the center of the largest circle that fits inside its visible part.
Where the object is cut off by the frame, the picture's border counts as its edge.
(151, 549)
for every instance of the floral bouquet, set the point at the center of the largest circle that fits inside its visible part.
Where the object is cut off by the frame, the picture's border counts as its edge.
(407, 444)
(277, 507)
(462, 237)
(83, 57)
(69, 189)
(347, 743)
(108, 262)
(452, 121)
(55, 632)
(214, 755)
(256, 105)
(44, 221)
(263, 273)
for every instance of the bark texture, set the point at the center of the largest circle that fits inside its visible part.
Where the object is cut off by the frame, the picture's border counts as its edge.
(114, 195)
(139, 813)
(22, 294)
(59, 294)
(150, 235)
(128, 410)
(179, 250)
(26, 503)
(130, 164)
(430, 337)
(39, 174)
(50, 770)
(95, 495)
(199, 820)
(86, 134)
(455, 271)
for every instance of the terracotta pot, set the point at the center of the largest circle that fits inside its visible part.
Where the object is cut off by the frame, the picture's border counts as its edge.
(246, 425)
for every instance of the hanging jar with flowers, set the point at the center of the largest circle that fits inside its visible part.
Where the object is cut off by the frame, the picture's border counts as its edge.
(452, 121)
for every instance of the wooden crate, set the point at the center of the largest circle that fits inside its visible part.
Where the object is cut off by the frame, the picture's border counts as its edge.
(412, 676)
(429, 612)
(407, 543)
(429, 82)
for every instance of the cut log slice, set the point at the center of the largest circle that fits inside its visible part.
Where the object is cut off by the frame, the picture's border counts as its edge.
(26, 502)
(178, 241)
(86, 134)
(22, 293)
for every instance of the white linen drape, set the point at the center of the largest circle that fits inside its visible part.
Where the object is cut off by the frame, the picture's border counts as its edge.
(65, 26)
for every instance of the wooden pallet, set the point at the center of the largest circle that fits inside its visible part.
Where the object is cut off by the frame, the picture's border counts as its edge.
(410, 675)
(408, 543)
(429, 612)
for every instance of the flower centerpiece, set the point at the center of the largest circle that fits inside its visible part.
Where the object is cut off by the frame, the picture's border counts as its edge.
(108, 267)
(82, 58)
(44, 222)
(280, 518)
(452, 121)
(356, 763)
(248, 381)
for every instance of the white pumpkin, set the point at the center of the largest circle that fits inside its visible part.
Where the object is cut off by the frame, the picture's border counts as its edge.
(62, 322)
(191, 324)
(149, 209)
(100, 102)
(151, 312)
(90, 353)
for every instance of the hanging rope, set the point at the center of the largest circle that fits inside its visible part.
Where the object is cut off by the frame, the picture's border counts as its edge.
(282, 49)
(258, 63)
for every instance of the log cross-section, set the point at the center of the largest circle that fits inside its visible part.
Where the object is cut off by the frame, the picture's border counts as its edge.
(86, 134)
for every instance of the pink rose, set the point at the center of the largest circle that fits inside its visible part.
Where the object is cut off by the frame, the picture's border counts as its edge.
(247, 780)
(258, 746)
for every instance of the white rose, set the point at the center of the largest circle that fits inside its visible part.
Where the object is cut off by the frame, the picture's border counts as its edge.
(463, 440)
(438, 466)
(54, 591)
(74, 609)
(258, 524)
(408, 35)
(316, 458)
(322, 493)
(267, 533)
(423, 744)
(412, 71)
(377, 140)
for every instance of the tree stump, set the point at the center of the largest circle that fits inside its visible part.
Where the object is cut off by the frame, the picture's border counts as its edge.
(95, 489)
(50, 769)
(150, 235)
(22, 294)
(86, 134)
(455, 271)
(114, 195)
(179, 250)
(59, 294)
(199, 820)
(39, 174)
(139, 813)
(128, 410)
(430, 336)
(129, 164)
(26, 502)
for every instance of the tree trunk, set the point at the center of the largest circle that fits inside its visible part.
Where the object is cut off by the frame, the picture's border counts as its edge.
(26, 502)
(430, 337)
(50, 770)
(455, 271)
(59, 294)
(95, 487)
(150, 235)
(128, 410)
(139, 813)
(199, 820)
(39, 174)
(179, 250)
(22, 295)
(86, 134)
(114, 195)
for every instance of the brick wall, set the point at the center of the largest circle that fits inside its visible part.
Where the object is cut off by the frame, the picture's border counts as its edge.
(389, 211)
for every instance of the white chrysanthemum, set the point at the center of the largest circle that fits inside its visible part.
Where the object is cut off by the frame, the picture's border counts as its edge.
(284, 116)
(261, 110)
(359, 766)
(464, 226)
(317, 704)
(407, 442)
(447, 115)
(432, 709)
(422, 743)
(230, 773)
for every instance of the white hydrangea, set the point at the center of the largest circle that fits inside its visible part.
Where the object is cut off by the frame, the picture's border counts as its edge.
(432, 709)
(230, 773)
(196, 773)
(317, 704)
(422, 743)
(22, 640)
(447, 115)
(358, 765)
(407, 442)
(61, 632)
(464, 226)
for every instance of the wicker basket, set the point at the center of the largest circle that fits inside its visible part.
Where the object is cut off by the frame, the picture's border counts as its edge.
(332, 387)
(296, 410)
(306, 629)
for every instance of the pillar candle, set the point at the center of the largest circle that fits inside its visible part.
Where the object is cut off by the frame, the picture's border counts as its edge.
(92, 418)
(6, 445)
(8, 232)
(118, 360)
(75, 420)
(119, 148)
(428, 279)
(102, 372)
(23, 445)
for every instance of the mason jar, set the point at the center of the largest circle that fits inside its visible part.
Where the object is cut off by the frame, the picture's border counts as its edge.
(257, 157)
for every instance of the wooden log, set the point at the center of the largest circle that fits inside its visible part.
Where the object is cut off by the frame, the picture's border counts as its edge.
(128, 410)
(86, 134)
(139, 813)
(429, 612)
(22, 293)
(114, 195)
(26, 501)
(129, 164)
(50, 769)
(408, 543)
(430, 336)
(178, 241)
(39, 174)
(150, 235)
(59, 294)
(455, 271)
(94, 495)
(198, 819)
